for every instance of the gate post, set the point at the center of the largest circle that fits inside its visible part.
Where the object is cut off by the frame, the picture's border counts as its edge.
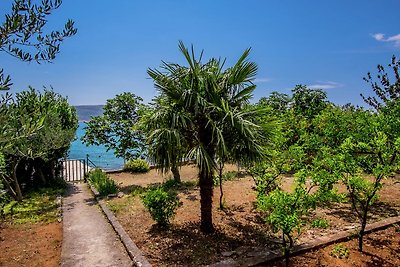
(84, 170)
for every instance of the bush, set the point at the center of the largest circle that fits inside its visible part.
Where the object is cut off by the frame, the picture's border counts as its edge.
(137, 165)
(102, 182)
(161, 204)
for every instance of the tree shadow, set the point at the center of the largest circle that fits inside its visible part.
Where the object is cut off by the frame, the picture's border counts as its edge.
(132, 189)
(384, 209)
(377, 261)
(342, 212)
(185, 245)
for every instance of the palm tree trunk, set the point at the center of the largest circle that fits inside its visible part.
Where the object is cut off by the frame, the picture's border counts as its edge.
(206, 194)
(175, 172)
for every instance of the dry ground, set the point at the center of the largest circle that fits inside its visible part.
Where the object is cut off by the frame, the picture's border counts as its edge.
(240, 225)
(380, 249)
(30, 244)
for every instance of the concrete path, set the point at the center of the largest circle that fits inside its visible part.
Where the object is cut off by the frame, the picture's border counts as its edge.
(88, 238)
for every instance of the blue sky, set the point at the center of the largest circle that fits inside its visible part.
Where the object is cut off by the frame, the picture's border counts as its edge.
(323, 44)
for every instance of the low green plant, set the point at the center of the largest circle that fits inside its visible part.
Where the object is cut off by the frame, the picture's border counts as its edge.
(103, 184)
(161, 204)
(137, 166)
(37, 206)
(320, 223)
(340, 251)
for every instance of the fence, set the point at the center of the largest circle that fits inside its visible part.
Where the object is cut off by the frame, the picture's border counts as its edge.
(75, 170)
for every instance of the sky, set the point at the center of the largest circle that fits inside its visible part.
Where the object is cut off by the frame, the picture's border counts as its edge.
(324, 44)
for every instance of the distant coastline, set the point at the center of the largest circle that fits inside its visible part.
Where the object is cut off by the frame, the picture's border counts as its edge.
(85, 112)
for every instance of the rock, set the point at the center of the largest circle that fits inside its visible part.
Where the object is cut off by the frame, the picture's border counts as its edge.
(112, 195)
(241, 250)
(258, 254)
(225, 263)
(227, 253)
(120, 194)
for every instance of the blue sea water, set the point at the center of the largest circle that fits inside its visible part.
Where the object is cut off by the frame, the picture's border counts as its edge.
(97, 154)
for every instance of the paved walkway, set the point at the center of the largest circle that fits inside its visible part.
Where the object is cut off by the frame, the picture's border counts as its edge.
(88, 238)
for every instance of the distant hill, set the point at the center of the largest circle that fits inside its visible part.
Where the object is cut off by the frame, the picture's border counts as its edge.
(86, 111)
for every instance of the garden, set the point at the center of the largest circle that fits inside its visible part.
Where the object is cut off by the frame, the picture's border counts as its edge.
(210, 177)
(236, 179)
(241, 229)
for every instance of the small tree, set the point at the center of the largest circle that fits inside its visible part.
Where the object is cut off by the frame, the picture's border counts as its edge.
(115, 128)
(376, 157)
(285, 212)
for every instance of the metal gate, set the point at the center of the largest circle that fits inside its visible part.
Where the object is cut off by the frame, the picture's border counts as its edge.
(74, 170)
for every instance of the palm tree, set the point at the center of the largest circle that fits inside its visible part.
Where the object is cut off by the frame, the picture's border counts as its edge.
(204, 115)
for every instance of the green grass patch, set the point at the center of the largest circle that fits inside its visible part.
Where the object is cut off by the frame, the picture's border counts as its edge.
(37, 206)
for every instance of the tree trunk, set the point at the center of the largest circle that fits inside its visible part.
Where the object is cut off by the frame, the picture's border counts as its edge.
(175, 172)
(9, 188)
(206, 193)
(285, 250)
(362, 231)
(221, 196)
(40, 173)
(17, 188)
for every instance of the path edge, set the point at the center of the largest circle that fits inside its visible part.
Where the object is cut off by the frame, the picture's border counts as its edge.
(133, 251)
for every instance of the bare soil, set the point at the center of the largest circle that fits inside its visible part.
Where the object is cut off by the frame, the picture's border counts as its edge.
(238, 226)
(30, 244)
(381, 248)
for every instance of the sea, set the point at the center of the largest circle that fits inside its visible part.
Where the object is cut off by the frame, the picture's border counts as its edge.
(97, 154)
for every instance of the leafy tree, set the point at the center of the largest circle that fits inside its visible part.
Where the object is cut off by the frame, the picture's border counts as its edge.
(206, 103)
(32, 158)
(286, 211)
(115, 128)
(279, 102)
(308, 102)
(22, 34)
(385, 88)
(376, 156)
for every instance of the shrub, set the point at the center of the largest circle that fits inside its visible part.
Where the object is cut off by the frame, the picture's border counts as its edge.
(102, 182)
(137, 165)
(340, 251)
(161, 204)
(320, 223)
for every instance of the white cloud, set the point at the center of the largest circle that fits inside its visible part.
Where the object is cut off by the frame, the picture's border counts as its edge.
(395, 39)
(262, 80)
(324, 85)
(378, 36)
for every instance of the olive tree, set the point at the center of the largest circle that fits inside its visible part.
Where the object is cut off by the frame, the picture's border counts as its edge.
(22, 34)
